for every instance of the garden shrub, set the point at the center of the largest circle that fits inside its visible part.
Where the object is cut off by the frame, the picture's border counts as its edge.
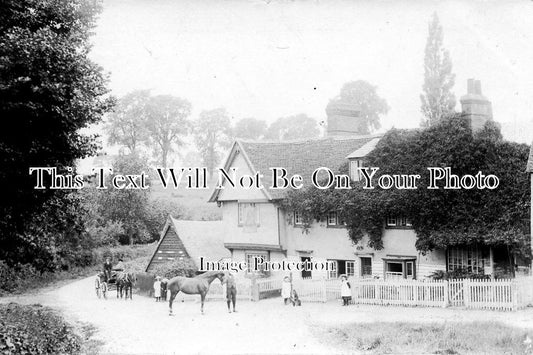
(35, 330)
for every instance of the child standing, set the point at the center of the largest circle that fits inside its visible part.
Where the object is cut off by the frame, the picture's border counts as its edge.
(157, 289)
(346, 290)
(286, 289)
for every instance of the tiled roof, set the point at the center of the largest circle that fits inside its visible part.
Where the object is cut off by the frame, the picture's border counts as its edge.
(300, 157)
(202, 238)
(529, 167)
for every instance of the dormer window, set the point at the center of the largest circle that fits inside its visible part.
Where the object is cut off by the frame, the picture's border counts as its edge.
(355, 171)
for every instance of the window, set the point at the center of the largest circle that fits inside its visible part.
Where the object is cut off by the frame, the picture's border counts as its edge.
(366, 266)
(332, 272)
(398, 222)
(355, 172)
(468, 259)
(333, 219)
(400, 269)
(350, 268)
(306, 273)
(298, 219)
(252, 258)
(248, 216)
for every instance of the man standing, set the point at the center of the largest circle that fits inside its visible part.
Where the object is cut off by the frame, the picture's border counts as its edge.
(107, 269)
(231, 291)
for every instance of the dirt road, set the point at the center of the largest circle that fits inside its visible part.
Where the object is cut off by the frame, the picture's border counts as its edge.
(142, 326)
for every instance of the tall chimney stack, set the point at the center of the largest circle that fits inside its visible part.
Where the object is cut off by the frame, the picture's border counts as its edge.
(344, 119)
(475, 106)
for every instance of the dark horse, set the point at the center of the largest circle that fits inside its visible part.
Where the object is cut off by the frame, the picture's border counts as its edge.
(125, 283)
(198, 285)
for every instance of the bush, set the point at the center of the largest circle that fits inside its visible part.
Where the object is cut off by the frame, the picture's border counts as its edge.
(177, 267)
(457, 274)
(35, 330)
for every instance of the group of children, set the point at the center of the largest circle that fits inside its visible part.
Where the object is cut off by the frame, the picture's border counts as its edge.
(289, 294)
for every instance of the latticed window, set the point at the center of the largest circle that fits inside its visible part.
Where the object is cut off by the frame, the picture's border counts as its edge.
(248, 216)
(350, 268)
(332, 272)
(251, 262)
(298, 219)
(468, 259)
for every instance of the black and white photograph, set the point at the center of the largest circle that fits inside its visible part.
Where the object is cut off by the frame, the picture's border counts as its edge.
(266, 177)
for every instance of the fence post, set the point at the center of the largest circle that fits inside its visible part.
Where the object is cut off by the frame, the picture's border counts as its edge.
(323, 289)
(466, 292)
(446, 294)
(254, 289)
(514, 294)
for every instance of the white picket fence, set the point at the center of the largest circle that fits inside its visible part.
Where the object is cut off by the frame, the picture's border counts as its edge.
(508, 294)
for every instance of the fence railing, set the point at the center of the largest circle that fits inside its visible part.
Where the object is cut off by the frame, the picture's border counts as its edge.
(507, 294)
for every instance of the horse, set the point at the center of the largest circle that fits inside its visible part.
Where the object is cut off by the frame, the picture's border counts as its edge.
(198, 285)
(125, 282)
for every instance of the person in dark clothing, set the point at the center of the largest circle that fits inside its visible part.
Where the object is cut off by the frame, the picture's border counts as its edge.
(107, 269)
(231, 291)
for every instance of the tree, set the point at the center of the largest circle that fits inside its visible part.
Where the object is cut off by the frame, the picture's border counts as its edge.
(127, 124)
(167, 123)
(363, 95)
(127, 206)
(49, 91)
(250, 128)
(212, 135)
(441, 218)
(293, 127)
(437, 99)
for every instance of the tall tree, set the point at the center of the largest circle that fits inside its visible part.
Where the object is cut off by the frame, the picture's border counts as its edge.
(167, 123)
(126, 126)
(363, 95)
(212, 134)
(438, 101)
(293, 127)
(49, 90)
(126, 206)
(250, 128)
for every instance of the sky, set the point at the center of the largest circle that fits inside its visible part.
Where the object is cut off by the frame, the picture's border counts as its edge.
(269, 59)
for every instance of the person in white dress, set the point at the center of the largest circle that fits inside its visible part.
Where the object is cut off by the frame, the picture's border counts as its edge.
(286, 289)
(346, 290)
(157, 289)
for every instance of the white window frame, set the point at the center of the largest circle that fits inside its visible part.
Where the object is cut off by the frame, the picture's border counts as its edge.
(350, 268)
(240, 213)
(248, 256)
(392, 221)
(298, 218)
(333, 271)
(361, 266)
(332, 218)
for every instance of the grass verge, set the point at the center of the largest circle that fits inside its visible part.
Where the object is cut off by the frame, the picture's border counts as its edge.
(36, 330)
(431, 338)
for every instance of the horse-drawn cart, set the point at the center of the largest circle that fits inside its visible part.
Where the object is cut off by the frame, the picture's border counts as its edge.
(103, 287)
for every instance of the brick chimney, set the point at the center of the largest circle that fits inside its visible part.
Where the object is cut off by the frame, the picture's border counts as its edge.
(343, 119)
(475, 106)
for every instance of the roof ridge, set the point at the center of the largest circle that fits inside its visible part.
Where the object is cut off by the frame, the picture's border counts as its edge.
(314, 139)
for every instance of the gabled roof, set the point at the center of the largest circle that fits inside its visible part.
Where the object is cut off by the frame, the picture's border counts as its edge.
(301, 157)
(200, 238)
(529, 167)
